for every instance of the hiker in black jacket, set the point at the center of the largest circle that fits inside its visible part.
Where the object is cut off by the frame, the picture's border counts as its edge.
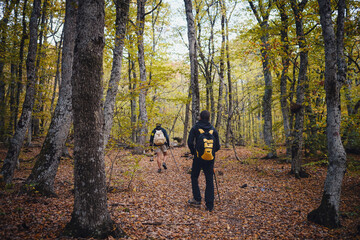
(160, 139)
(203, 135)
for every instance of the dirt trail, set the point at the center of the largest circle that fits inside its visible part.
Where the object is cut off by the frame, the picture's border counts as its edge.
(259, 200)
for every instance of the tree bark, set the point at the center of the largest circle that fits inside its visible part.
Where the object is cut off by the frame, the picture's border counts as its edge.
(328, 213)
(285, 58)
(221, 68)
(40, 55)
(21, 60)
(195, 102)
(57, 74)
(3, 49)
(90, 216)
(122, 11)
(186, 122)
(143, 118)
(230, 92)
(262, 19)
(297, 135)
(13, 70)
(16, 142)
(132, 87)
(13, 79)
(207, 66)
(45, 169)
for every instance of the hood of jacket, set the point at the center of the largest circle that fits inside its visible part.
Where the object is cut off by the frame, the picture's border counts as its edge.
(204, 125)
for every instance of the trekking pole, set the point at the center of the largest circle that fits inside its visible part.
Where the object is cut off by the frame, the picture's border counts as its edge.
(174, 160)
(217, 188)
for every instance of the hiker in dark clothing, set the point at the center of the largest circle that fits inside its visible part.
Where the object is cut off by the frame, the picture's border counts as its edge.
(203, 159)
(160, 139)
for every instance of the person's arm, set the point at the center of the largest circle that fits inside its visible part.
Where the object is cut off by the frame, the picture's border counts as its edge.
(190, 141)
(152, 137)
(217, 142)
(167, 137)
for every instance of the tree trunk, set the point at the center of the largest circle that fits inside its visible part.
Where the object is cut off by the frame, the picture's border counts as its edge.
(298, 108)
(262, 19)
(284, 77)
(122, 10)
(312, 131)
(13, 78)
(57, 74)
(222, 68)
(3, 49)
(195, 105)
(16, 142)
(186, 122)
(90, 216)
(40, 56)
(45, 169)
(132, 87)
(143, 118)
(21, 60)
(207, 66)
(230, 92)
(13, 69)
(328, 213)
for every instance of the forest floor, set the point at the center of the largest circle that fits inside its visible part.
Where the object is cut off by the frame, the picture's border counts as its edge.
(258, 199)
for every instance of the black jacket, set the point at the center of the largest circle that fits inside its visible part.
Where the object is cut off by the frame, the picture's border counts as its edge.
(165, 134)
(194, 134)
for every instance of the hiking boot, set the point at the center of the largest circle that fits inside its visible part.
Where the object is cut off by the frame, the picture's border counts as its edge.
(209, 208)
(159, 170)
(194, 202)
(164, 166)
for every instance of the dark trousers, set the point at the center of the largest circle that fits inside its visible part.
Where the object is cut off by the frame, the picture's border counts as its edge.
(208, 168)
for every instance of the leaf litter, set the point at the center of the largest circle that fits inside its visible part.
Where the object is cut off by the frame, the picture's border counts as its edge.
(258, 200)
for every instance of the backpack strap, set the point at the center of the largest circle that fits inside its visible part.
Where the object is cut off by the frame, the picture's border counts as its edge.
(202, 131)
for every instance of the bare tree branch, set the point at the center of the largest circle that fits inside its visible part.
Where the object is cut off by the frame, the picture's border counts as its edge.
(154, 8)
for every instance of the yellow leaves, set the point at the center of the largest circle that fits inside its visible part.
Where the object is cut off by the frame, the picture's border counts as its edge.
(228, 227)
